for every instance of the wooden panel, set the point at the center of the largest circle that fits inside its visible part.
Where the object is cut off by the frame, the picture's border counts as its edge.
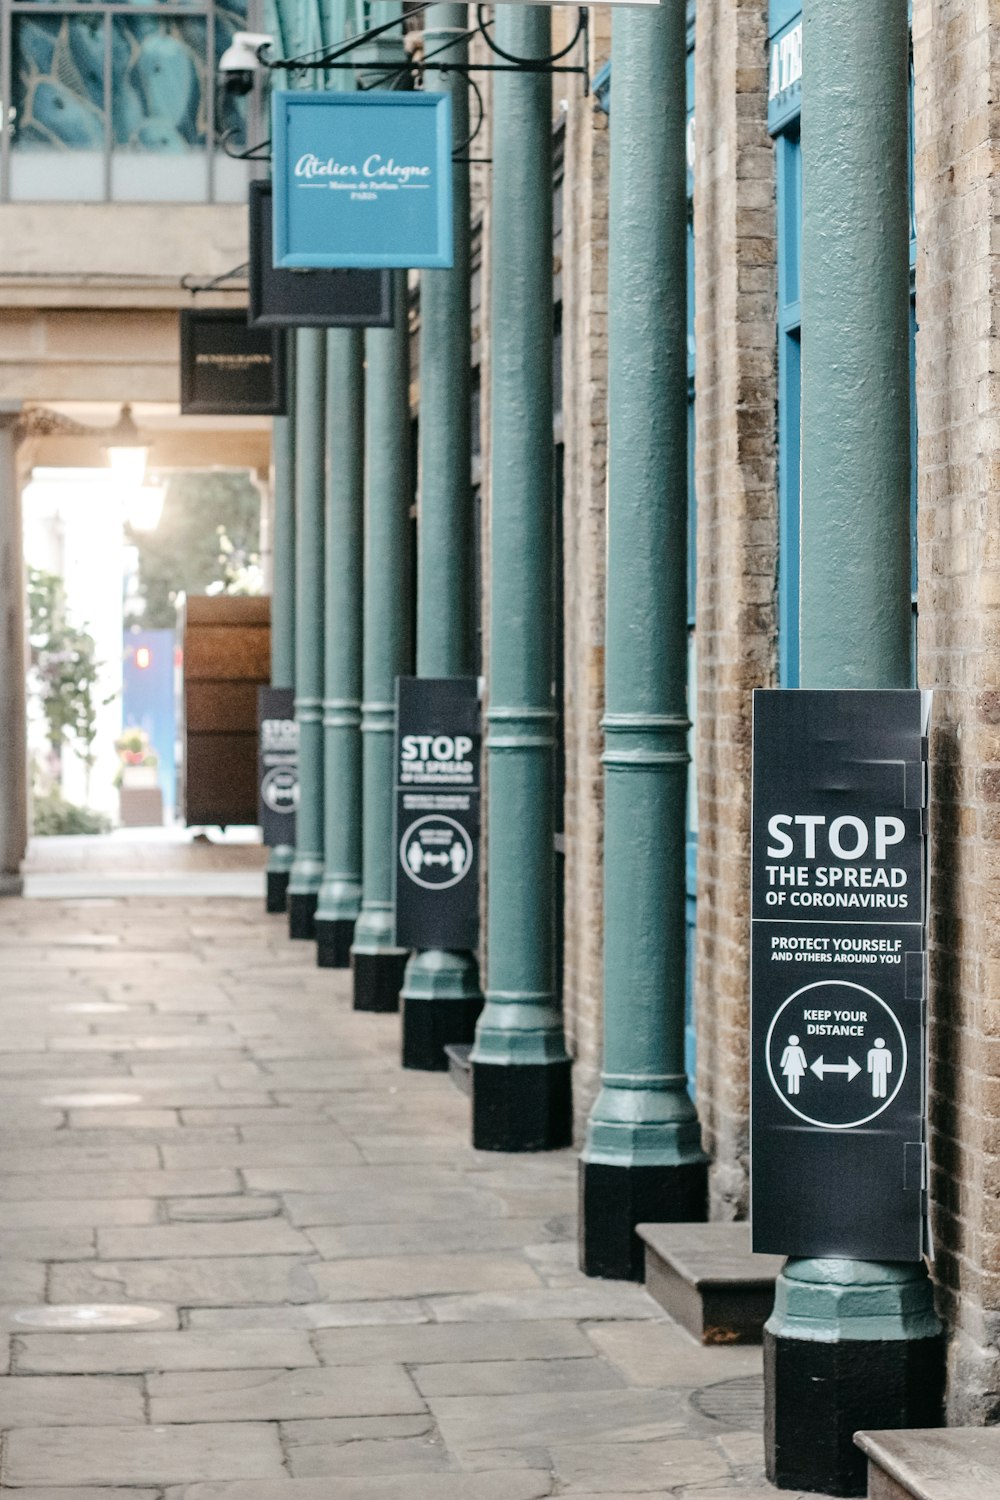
(219, 707)
(225, 652)
(227, 656)
(227, 609)
(221, 778)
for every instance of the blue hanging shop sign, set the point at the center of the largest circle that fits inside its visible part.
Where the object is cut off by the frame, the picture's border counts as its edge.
(362, 180)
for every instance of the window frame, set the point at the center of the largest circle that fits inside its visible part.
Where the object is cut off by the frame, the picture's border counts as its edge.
(108, 10)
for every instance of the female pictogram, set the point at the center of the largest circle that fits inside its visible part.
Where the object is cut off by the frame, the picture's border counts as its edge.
(793, 1065)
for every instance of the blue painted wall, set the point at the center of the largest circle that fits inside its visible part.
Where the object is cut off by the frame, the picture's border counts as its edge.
(148, 700)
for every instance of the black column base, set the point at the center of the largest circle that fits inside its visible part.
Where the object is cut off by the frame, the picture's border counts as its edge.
(302, 914)
(333, 943)
(522, 1106)
(277, 890)
(378, 979)
(613, 1200)
(431, 1025)
(818, 1395)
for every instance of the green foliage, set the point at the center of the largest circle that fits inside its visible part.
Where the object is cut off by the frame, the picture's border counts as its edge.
(208, 535)
(64, 670)
(134, 749)
(52, 814)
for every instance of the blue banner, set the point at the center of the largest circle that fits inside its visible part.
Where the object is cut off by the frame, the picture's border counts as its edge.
(362, 180)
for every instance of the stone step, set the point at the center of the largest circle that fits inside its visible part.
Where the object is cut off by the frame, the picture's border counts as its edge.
(933, 1463)
(709, 1280)
(459, 1066)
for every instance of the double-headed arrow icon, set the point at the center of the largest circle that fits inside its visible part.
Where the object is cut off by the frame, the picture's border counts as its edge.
(850, 1067)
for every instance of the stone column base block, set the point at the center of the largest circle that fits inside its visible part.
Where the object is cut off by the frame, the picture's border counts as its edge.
(277, 890)
(302, 914)
(432, 1024)
(378, 979)
(333, 943)
(613, 1200)
(522, 1106)
(818, 1394)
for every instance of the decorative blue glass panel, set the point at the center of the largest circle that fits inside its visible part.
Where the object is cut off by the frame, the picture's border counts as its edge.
(158, 83)
(58, 82)
(95, 90)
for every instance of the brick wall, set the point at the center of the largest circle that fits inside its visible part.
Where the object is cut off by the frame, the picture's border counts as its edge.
(957, 136)
(585, 395)
(737, 541)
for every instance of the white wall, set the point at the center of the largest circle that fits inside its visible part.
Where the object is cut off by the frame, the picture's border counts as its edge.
(73, 527)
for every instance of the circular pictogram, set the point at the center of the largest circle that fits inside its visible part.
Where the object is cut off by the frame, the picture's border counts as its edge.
(279, 789)
(836, 1054)
(435, 852)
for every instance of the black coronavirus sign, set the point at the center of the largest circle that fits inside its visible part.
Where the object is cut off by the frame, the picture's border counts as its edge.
(437, 812)
(278, 764)
(839, 891)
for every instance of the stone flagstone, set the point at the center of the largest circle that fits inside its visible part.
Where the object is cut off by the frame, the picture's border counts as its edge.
(277, 1269)
(79, 1456)
(277, 1395)
(118, 1353)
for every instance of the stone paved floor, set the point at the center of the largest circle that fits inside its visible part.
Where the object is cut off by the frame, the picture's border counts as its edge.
(243, 1256)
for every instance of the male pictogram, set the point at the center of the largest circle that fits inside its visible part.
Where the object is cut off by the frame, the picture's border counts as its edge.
(880, 1066)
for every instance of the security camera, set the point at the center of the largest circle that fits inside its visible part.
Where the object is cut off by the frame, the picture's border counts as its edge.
(241, 60)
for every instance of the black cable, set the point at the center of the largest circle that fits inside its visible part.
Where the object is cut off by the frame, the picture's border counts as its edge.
(290, 64)
(190, 285)
(455, 156)
(531, 64)
(250, 154)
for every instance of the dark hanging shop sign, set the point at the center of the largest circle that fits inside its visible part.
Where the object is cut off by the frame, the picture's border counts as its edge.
(278, 756)
(229, 369)
(438, 739)
(308, 299)
(838, 974)
(362, 180)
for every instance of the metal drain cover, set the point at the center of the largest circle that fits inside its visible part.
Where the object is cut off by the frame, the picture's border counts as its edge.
(737, 1403)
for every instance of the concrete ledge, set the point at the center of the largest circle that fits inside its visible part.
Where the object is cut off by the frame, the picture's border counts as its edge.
(709, 1280)
(459, 1066)
(933, 1463)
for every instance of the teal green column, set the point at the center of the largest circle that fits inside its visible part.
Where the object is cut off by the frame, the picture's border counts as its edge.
(441, 999)
(279, 862)
(642, 1161)
(340, 893)
(857, 1341)
(310, 399)
(378, 964)
(520, 1068)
